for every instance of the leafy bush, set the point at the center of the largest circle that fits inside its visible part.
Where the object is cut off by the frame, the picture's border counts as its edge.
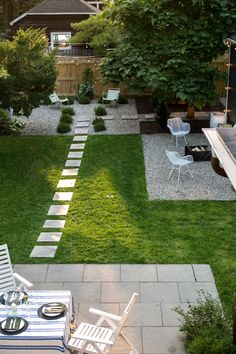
(99, 127)
(66, 118)
(71, 99)
(97, 120)
(100, 111)
(7, 126)
(211, 341)
(63, 127)
(84, 99)
(68, 110)
(122, 99)
(86, 87)
(100, 100)
(205, 327)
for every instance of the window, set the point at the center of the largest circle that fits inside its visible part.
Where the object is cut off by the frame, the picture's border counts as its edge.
(60, 40)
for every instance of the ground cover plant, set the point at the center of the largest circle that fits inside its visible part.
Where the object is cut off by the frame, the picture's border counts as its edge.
(110, 219)
(29, 172)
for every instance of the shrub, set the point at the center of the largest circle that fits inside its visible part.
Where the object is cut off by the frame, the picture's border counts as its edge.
(84, 99)
(7, 126)
(71, 99)
(86, 87)
(68, 110)
(99, 127)
(100, 111)
(66, 118)
(122, 99)
(63, 127)
(97, 120)
(100, 100)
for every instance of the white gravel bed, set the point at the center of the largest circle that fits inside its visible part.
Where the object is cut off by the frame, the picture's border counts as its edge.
(205, 184)
(44, 119)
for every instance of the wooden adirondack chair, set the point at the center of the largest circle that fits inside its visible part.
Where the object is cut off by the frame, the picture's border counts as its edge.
(55, 99)
(93, 339)
(112, 95)
(7, 277)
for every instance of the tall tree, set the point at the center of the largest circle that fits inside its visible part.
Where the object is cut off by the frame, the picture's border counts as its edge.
(27, 73)
(168, 45)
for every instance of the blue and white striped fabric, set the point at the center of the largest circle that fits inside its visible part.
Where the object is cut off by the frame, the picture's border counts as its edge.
(41, 334)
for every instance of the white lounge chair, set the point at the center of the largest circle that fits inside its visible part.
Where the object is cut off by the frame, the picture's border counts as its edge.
(7, 277)
(178, 162)
(56, 100)
(178, 128)
(112, 95)
(93, 339)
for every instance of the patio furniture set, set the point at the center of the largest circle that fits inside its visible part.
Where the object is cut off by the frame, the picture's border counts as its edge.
(45, 320)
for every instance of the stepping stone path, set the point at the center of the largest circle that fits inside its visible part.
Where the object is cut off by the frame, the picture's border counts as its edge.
(127, 116)
(73, 160)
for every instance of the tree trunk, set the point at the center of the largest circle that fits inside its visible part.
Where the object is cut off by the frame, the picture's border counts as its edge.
(190, 112)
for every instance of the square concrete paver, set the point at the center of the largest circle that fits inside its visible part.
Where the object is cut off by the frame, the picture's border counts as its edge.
(58, 210)
(77, 146)
(144, 315)
(134, 335)
(73, 163)
(170, 317)
(49, 237)
(83, 118)
(102, 272)
(80, 138)
(118, 292)
(175, 272)
(81, 131)
(65, 273)
(32, 272)
(82, 124)
(107, 117)
(190, 291)
(63, 196)
(162, 340)
(75, 155)
(70, 172)
(43, 251)
(138, 272)
(203, 272)
(159, 292)
(84, 292)
(54, 224)
(66, 183)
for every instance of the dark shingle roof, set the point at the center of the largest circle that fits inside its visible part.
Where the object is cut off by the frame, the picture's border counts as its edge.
(63, 6)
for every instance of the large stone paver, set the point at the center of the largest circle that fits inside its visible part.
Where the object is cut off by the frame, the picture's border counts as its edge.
(58, 210)
(66, 183)
(118, 292)
(162, 340)
(144, 315)
(32, 272)
(82, 124)
(73, 163)
(203, 272)
(81, 131)
(86, 316)
(159, 292)
(54, 224)
(43, 251)
(49, 237)
(175, 272)
(63, 196)
(170, 316)
(84, 292)
(77, 146)
(102, 272)
(138, 272)
(75, 155)
(70, 172)
(190, 291)
(65, 273)
(80, 138)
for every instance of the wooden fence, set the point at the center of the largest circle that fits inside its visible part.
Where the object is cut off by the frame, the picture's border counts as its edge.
(71, 69)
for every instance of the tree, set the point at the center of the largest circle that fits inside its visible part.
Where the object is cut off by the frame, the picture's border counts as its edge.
(27, 74)
(168, 45)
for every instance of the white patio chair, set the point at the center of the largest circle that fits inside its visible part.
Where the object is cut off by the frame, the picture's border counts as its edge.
(7, 277)
(112, 95)
(178, 128)
(94, 339)
(178, 162)
(55, 99)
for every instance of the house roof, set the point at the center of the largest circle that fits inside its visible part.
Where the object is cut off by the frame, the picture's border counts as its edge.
(60, 7)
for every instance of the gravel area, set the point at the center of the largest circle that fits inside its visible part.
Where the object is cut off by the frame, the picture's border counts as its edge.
(44, 119)
(205, 184)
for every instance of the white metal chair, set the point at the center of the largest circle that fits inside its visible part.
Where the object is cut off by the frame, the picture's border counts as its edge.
(93, 339)
(112, 95)
(7, 277)
(55, 99)
(178, 128)
(178, 162)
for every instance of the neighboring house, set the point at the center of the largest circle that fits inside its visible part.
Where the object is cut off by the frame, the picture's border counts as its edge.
(56, 16)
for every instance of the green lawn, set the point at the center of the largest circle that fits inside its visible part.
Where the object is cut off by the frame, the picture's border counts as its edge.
(110, 218)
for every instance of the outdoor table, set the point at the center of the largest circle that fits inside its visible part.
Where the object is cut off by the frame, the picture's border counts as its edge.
(41, 334)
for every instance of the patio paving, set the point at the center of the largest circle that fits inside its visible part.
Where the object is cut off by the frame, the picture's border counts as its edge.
(153, 326)
(205, 184)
